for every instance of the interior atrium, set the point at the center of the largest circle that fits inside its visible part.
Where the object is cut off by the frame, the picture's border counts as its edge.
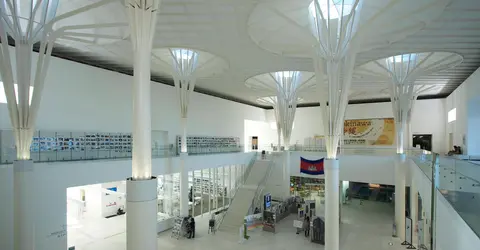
(239, 124)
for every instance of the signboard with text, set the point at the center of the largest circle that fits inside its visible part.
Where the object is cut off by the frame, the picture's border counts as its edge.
(369, 132)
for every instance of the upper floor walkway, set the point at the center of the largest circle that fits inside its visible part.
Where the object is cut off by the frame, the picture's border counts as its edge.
(457, 181)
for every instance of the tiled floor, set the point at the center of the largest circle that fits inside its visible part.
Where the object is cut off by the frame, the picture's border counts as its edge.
(364, 227)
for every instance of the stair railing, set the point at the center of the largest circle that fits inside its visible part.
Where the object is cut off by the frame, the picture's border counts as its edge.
(256, 201)
(220, 218)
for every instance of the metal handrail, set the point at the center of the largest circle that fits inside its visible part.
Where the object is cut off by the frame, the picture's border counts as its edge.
(262, 184)
(247, 172)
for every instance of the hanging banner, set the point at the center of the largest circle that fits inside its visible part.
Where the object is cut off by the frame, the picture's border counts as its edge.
(311, 167)
(369, 132)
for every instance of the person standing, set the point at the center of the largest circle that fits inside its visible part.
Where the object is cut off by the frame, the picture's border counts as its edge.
(211, 224)
(192, 227)
(306, 226)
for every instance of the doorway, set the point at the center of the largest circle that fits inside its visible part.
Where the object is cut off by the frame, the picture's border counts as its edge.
(450, 141)
(424, 141)
(254, 142)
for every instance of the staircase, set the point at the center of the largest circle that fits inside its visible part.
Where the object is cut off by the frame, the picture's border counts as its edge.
(244, 196)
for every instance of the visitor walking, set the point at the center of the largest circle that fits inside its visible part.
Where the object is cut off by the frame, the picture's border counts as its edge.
(211, 224)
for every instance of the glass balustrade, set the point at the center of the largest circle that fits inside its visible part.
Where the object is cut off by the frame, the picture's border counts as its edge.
(457, 180)
(51, 146)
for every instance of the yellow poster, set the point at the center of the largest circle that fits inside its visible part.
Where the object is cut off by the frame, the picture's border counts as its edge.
(369, 132)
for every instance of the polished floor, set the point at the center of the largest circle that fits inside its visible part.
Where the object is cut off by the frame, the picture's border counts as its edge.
(364, 226)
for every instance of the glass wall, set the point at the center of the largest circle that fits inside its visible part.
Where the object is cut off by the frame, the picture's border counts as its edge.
(210, 191)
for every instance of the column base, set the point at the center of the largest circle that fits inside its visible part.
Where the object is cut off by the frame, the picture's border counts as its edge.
(286, 175)
(332, 204)
(142, 214)
(24, 218)
(184, 208)
(400, 196)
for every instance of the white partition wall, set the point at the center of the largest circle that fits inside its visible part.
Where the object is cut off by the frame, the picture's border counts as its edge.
(429, 117)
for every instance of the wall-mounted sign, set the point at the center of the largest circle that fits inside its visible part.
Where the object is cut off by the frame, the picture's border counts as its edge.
(267, 201)
(369, 132)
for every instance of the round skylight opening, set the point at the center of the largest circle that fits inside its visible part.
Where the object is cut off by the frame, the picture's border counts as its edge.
(286, 74)
(402, 58)
(183, 54)
(331, 9)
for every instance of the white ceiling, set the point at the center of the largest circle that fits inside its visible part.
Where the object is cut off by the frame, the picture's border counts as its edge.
(220, 28)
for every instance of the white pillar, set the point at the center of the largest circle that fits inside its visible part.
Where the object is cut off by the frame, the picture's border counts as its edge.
(183, 186)
(230, 196)
(223, 186)
(142, 117)
(194, 190)
(414, 210)
(332, 201)
(202, 191)
(142, 214)
(400, 195)
(279, 134)
(183, 143)
(24, 205)
(408, 134)
(142, 187)
(209, 190)
(286, 174)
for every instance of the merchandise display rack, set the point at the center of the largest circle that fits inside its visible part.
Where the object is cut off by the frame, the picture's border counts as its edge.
(210, 144)
(207, 185)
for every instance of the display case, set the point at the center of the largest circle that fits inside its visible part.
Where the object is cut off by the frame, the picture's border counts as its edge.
(210, 144)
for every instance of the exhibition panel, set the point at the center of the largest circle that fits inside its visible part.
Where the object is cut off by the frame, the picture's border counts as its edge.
(50, 146)
(210, 144)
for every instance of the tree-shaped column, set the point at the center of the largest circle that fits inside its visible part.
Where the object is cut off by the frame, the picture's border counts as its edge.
(41, 23)
(404, 73)
(186, 66)
(337, 30)
(142, 187)
(286, 86)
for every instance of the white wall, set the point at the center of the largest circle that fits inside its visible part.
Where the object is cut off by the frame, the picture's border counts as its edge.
(358, 168)
(266, 135)
(81, 98)
(52, 180)
(6, 207)
(464, 96)
(451, 230)
(428, 118)
(473, 122)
